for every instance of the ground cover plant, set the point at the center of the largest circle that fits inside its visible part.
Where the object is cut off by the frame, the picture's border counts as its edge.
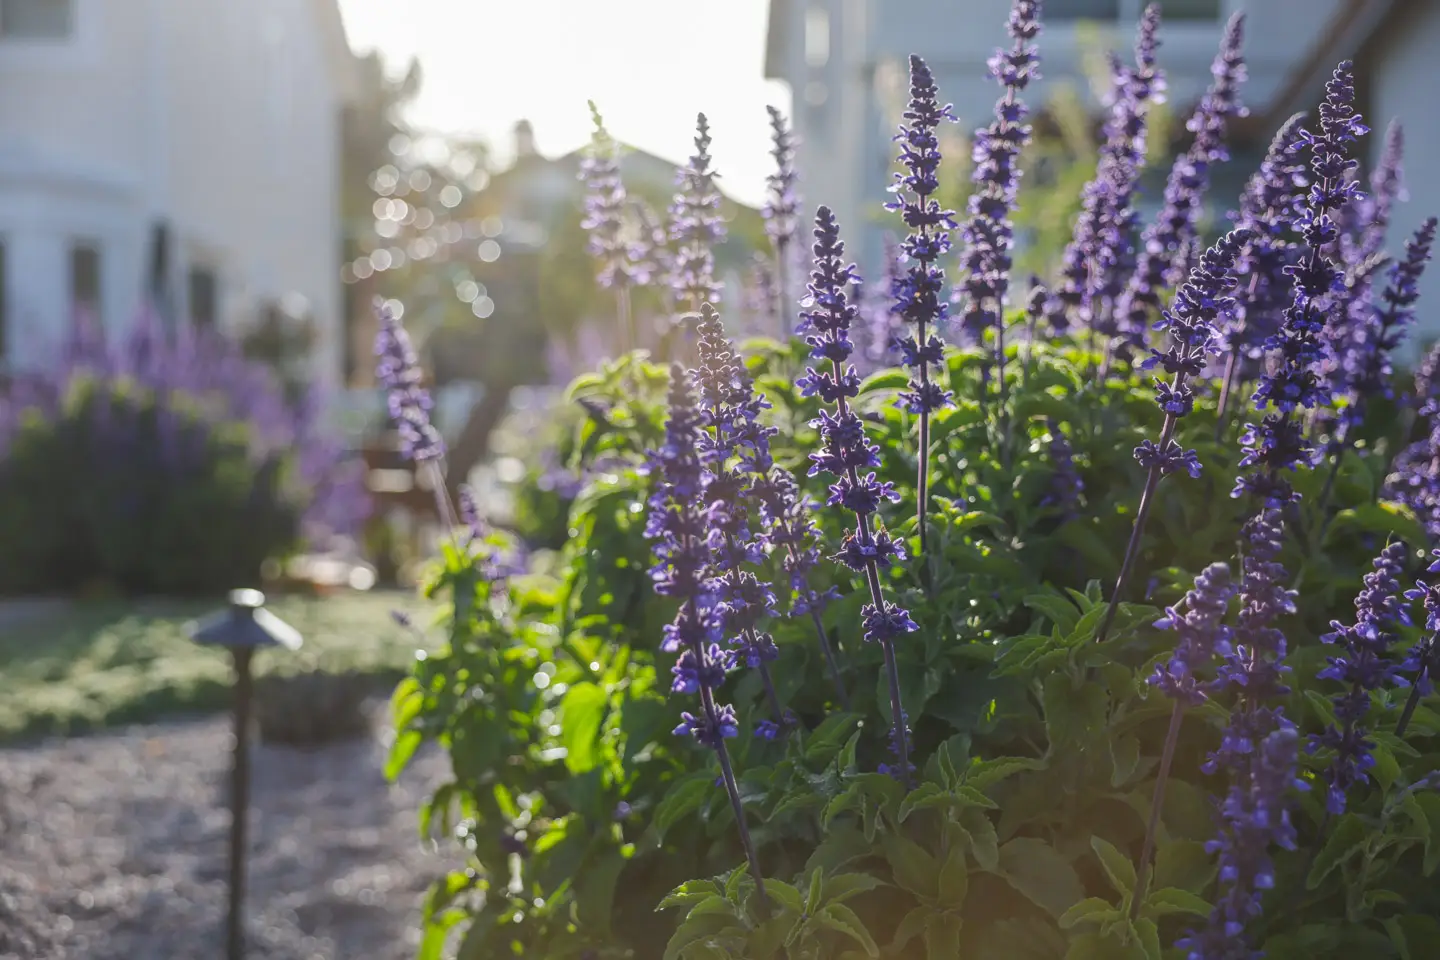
(1103, 629)
(105, 663)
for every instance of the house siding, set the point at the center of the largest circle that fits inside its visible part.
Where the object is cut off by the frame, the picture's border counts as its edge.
(220, 118)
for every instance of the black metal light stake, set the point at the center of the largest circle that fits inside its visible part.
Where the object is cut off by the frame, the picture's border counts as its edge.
(241, 628)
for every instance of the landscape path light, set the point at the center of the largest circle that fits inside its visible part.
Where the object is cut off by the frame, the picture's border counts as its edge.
(242, 628)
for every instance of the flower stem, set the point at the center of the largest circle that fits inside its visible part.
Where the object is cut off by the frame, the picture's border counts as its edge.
(625, 318)
(1414, 699)
(1227, 387)
(1157, 801)
(830, 659)
(782, 296)
(1132, 549)
(897, 712)
(712, 720)
(922, 485)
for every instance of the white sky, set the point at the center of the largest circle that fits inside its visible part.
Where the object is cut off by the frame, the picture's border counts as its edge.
(649, 65)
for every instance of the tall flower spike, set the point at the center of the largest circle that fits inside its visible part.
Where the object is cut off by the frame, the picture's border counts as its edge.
(678, 524)
(738, 446)
(1423, 662)
(1273, 198)
(1258, 749)
(782, 208)
(1200, 304)
(988, 234)
(1278, 443)
(397, 368)
(1164, 246)
(1362, 664)
(1101, 250)
(918, 298)
(1198, 621)
(605, 205)
(1366, 370)
(696, 226)
(884, 321)
(846, 451)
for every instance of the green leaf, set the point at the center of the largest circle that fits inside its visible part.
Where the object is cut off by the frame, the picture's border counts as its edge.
(911, 927)
(1089, 910)
(1346, 838)
(986, 773)
(954, 879)
(822, 745)
(1124, 758)
(696, 929)
(885, 380)
(1168, 900)
(947, 421)
(942, 936)
(596, 896)
(1037, 870)
(689, 893)
(1117, 866)
(1386, 519)
(922, 797)
(914, 869)
(839, 917)
(683, 798)
(582, 712)
(1430, 803)
(401, 751)
(817, 880)
(786, 895)
(1149, 936)
(847, 885)
(1056, 609)
(984, 841)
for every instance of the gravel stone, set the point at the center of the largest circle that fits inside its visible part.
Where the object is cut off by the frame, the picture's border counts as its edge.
(115, 846)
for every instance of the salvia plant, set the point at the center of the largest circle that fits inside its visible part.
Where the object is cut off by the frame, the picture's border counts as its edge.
(1022, 649)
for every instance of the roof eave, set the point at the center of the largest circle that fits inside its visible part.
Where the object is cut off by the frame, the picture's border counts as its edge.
(1351, 26)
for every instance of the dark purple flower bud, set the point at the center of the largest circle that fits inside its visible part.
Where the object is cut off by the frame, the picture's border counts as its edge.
(1201, 635)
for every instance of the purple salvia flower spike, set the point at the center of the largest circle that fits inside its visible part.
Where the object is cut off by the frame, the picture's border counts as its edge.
(1294, 379)
(1101, 251)
(918, 295)
(1165, 243)
(1362, 664)
(1200, 304)
(1269, 207)
(677, 522)
(782, 210)
(989, 234)
(846, 451)
(696, 226)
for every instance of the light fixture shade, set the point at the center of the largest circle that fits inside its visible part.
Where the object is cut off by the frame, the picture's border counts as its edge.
(245, 623)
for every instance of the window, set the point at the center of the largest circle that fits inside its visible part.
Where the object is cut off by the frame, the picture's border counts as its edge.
(1082, 9)
(204, 292)
(36, 19)
(85, 282)
(817, 37)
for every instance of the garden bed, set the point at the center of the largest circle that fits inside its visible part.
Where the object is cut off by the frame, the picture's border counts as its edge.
(86, 666)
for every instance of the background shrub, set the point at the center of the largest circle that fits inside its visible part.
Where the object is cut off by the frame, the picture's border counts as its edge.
(145, 496)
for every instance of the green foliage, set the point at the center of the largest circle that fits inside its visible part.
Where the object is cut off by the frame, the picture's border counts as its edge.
(1037, 748)
(138, 492)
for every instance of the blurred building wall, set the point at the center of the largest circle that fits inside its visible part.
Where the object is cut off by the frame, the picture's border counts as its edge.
(182, 154)
(847, 64)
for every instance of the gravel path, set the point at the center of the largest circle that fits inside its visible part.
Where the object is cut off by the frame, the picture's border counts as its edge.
(114, 846)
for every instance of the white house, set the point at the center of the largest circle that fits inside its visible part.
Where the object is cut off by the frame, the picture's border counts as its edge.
(180, 154)
(845, 62)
